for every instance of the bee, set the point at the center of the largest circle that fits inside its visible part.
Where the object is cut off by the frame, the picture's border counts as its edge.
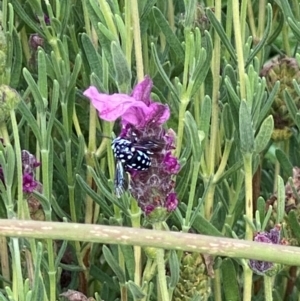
(131, 155)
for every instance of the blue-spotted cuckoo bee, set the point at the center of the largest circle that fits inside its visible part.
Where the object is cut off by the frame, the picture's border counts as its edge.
(130, 155)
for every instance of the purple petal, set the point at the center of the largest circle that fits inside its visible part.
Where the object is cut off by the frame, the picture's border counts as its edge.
(142, 91)
(111, 107)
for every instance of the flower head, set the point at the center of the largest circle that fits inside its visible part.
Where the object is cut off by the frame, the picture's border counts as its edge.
(264, 267)
(142, 128)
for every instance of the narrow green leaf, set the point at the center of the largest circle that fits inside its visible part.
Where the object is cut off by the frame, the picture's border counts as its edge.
(266, 219)
(27, 115)
(128, 254)
(113, 263)
(92, 56)
(174, 269)
(99, 199)
(265, 109)
(197, 136)
(290, 105)
(264, 38)
(280, 200)
(203, 226)
(37, 290)
(122, 70)
(205, 115)
(24, 16)
(135, 290)
(245, 129)
(284, 161)
(230, 284)
(227, 122)
(222, 34)
(202, 68)
(163, 74)
(264, 135)
(171, 38)
(34, 89)
(234, 102)
(294, 223)
(16, 67)
(261, 208)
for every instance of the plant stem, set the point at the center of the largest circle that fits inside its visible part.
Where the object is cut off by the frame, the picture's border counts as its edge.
(268, 285)
(239, 47)
(136, 223)
(215, 108)
(137, 39)
(161, 269)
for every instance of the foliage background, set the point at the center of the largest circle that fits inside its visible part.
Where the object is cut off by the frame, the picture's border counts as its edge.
(206, 61)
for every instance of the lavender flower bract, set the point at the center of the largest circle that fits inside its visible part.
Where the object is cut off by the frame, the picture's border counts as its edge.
(143, 119)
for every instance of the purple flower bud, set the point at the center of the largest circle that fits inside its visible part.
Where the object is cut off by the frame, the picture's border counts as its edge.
(264, 267)
(171, 202)
(29, 184)
(171, 163)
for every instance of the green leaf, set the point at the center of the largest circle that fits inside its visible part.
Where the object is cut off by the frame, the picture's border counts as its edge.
(171, 38)
(196, 136)
(37, 290)
(280, 200)
(222, 34)
(293, 110)
(135, 290)
(265, 109)
(99, 199)
(234, 102)
(122, 70)
(32, 123)
(230, 284)
(267, 30)
(163, 74)
(264, 135)
(227, 122)
(205, 115)
(203, 66)
(284, 161)
(261, 208)
(18, 8)
(113, 263)
(174, 269)
(16, 67)
(128, 254)
(34, 89)
(203, 226)
(245, 129)
(294, 224)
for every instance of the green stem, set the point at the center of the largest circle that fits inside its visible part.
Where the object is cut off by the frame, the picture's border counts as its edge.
(251, 19)
(217, 286)
(248, 193)
(161, 270)
(186, 226)
(268, 286)
(214, 130)
(137, 40)
(243, 19)
(239, 46)
(247, 284)
(181, 118)
(136, 223)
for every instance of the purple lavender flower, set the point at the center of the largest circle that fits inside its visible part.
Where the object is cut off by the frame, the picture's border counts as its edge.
(264, 267)
(29, 164)
(143, 119)
(29, 183)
